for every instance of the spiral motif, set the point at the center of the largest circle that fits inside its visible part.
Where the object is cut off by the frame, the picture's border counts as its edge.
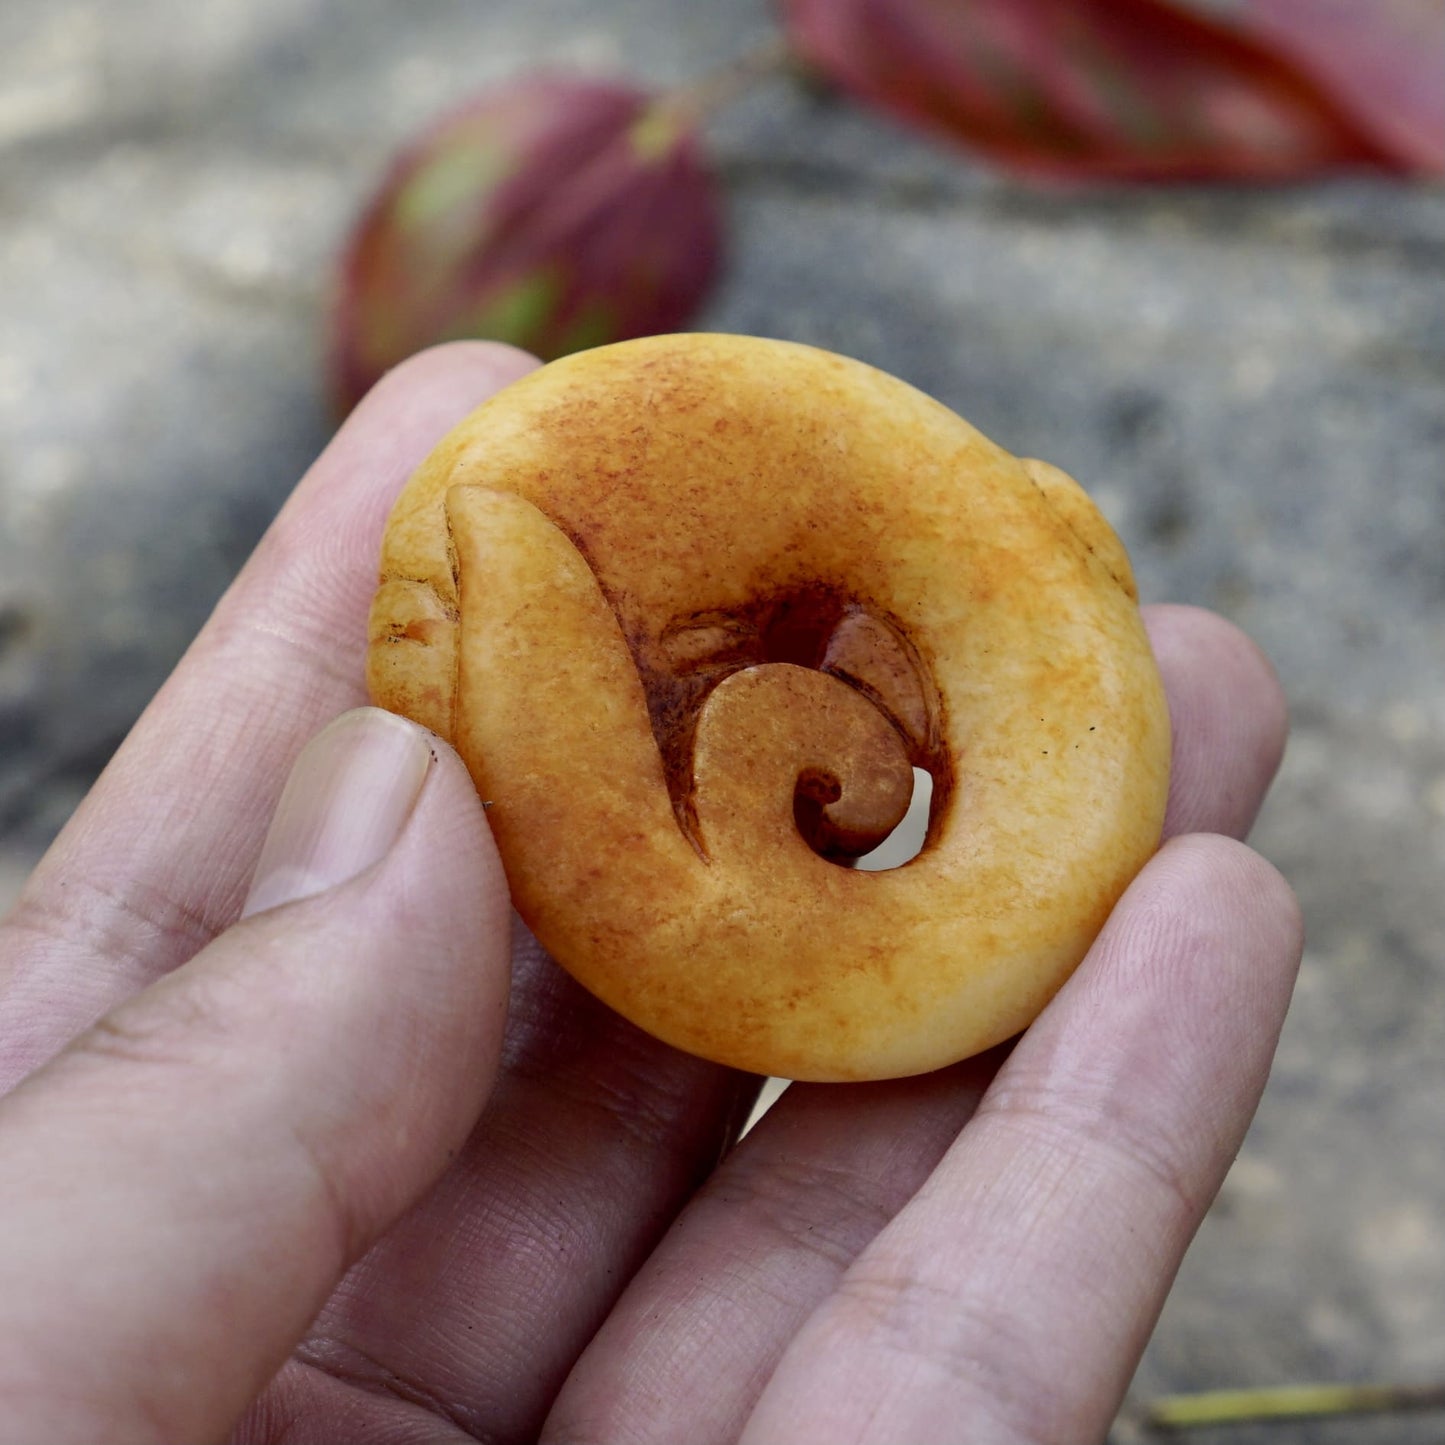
(692, 609)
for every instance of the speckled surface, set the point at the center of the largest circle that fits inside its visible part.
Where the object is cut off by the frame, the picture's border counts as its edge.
(1252, 384)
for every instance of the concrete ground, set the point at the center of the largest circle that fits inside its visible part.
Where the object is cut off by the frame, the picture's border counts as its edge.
(1251, 382)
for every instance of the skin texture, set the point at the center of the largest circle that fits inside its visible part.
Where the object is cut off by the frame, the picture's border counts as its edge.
(275, 1181)
(675, 598)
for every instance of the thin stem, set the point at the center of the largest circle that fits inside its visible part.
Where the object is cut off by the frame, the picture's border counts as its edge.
(1287, 1402)
(695, 100)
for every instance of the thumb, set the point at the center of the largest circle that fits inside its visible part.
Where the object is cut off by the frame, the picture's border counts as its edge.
(183, 1186)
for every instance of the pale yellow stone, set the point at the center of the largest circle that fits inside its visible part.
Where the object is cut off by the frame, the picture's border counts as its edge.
(551, 578)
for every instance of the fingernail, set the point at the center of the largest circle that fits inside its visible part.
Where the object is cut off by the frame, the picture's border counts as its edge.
(349, 795)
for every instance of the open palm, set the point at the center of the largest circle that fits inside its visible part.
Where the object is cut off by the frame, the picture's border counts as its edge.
(289, 1179)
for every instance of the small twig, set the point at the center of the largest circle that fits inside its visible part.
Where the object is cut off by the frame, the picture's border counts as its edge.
(1287, 1402)
(695, 100)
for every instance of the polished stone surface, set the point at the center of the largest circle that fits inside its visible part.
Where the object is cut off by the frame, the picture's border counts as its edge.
(1251, 382)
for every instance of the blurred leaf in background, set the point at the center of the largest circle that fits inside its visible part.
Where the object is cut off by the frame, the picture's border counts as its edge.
(1149, 89)
(555, 213)
(559, 213)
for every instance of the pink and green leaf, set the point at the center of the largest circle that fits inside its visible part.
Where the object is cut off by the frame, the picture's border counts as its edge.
(1149, 89)
(555, 214)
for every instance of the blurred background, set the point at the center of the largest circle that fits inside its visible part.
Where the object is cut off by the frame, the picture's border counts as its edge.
(1250, 379)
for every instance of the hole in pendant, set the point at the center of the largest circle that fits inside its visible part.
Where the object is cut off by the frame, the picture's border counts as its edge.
(905, 842)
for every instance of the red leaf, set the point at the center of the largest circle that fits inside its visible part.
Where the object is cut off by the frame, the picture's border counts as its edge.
(1247, 89)
(556, 213)
(1382, 61)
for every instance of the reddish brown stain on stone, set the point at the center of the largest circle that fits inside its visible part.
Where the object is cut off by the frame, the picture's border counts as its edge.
(709, 483)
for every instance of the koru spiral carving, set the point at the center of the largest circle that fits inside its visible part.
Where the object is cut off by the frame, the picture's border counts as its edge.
(691, 609)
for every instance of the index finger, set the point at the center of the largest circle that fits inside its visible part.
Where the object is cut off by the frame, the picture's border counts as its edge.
(157, 859)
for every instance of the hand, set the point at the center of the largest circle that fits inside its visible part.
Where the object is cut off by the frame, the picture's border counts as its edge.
(287, 1177)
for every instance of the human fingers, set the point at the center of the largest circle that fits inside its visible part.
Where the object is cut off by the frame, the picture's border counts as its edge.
(1012, 1297)
(1229, 718)
(692, 1343)
(599, 1134)
(157, 859)
(183, 1185)
(689, 1347)
(595, 1136)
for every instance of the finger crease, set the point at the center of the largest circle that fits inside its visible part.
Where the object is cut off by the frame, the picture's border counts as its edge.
(1082, 1128)
(112, 925)
(943, 1329)
(646, 1111)
(824, 1211)
(354, 1368)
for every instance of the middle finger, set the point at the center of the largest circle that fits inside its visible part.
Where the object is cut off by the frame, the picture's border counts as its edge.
(477, 1303)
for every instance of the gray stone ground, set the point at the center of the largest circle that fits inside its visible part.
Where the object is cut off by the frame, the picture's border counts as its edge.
(1252, 383)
